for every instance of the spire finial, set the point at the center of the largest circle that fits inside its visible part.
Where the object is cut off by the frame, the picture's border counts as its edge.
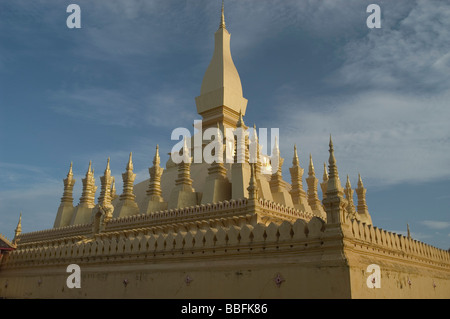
(107, 165)
(130, 162)
(252, 190)
(222, 18)
(334, 184)
(360, 183)
(18, 228)
(311, 171)
(90, 167)
(186, 155)
(407, 229)
(70, 169)
(332, 159)
(295, 160)
(325, 172)
(19, 224)
(156, 158)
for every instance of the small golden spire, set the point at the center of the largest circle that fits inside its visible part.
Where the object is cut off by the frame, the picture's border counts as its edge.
(18, 229)
(113, 188)
(252, 190)
(348, 185)
(156, 158)
(19, 225)
(130, 163)
(295, 160)
(325, 173)
(222, 19)
(360, 183)
(311, 171)
(186, 154)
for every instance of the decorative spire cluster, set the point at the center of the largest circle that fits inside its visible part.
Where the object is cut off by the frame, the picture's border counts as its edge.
(334, 184)
(154, 187)
(18, 230)
(312, 181)
(255, 149)
(278, 188)
(113, 188)
(217, 168)
(106, 183)
(362, 209)
(324, 183)
(242, 141)
(128, 180)
(351, 211)
(297, 192)
(69, 182)
(252, 189)
(184, 169)
(88, 194)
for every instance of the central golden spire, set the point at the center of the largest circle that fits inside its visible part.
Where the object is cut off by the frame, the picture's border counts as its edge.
(221, 98)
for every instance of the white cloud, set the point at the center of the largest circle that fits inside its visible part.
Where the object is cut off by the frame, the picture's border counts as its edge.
(389, 138)
(434, 224)
(412, 52)
(389, 121)
(102, 105)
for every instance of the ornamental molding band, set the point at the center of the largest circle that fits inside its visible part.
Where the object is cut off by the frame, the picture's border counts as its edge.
(220, 230)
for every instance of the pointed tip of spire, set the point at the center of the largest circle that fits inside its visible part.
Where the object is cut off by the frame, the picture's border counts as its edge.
(222, 18)
(107, 163)
(275, 144)
(295, 160)
(360, 183)
(186, 155)
(348, 185)
(19, 226)
(325, 172)
(70, 169)
(156, 158)
(130, 162)
(311, 165)
(90, 170)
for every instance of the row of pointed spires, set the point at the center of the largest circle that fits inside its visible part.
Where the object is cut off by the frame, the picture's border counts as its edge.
(331, 184)
(108, 188)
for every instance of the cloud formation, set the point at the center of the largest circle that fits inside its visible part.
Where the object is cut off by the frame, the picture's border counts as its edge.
(434, 224)
(390, 123)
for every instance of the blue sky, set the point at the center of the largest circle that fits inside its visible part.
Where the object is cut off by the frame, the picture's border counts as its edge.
(130, 75)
